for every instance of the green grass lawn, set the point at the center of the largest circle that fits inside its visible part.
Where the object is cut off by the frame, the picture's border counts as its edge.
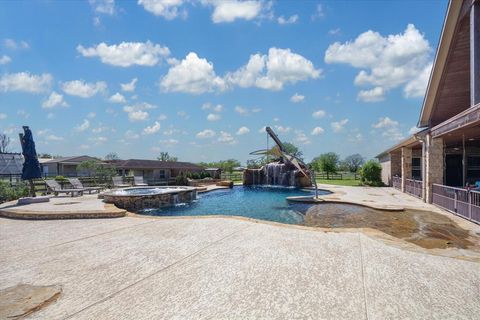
(344, 182)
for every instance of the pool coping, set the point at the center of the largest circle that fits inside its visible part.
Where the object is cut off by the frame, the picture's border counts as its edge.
(110, 211)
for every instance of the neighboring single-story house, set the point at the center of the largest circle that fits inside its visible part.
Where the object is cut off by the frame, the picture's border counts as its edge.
(11, 164)
(64, 166)
(441, 162)
(154, 170)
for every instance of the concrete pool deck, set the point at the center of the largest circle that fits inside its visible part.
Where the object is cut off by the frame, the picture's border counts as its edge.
(223, 268)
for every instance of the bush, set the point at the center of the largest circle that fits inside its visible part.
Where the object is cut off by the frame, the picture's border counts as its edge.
(181, 179)
(371, 173)
(8, 193)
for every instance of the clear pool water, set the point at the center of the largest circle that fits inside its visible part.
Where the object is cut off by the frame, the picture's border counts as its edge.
(144, 191)
(265, 203)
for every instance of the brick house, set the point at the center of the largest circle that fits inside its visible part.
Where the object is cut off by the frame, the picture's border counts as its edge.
(442, 160)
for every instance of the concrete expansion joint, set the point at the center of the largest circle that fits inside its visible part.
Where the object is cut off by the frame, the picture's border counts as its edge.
(176, 263)
(363, 276)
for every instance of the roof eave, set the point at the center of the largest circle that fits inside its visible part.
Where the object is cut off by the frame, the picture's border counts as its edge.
(449, 24)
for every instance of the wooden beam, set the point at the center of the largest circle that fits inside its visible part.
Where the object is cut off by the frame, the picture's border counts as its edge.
(469, 117)
(475, 54)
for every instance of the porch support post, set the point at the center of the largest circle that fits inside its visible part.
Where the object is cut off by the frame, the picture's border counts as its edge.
(406, 166)
(434, 164)
(475, 53)
(395, 164)
(424, 170)
(464, 162)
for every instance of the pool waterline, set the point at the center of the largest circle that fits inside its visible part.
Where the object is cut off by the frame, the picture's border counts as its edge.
(257, 202)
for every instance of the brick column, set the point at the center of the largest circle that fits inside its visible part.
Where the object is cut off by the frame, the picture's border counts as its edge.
(406, 165)
(395, 164)
(434, 164)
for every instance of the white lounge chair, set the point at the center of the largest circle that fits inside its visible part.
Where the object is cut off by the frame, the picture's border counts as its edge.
(138, 181)
(77, 184)
(118, 182)
(56, 188)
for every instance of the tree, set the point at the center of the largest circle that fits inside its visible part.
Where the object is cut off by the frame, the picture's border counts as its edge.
(95, 168)
(289, 148)
(164, 156)
(371, 173)
(354, 162)
(45, 155)
(326, 162)
(4, 143)
(112, 156)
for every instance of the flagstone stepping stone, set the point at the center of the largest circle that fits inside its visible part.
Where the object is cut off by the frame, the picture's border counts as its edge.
(22, 300)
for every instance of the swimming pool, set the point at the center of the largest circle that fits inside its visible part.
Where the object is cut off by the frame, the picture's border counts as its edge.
(258, 202)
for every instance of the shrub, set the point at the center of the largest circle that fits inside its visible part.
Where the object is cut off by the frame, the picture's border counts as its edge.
(181, 179)
(371, 173)
(8, 193)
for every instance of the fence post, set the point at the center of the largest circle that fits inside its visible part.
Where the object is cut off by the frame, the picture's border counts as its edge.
(470, 203)
(455, 200)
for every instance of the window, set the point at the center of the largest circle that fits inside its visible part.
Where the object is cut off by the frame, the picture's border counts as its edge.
(162, 174)
(417, 168)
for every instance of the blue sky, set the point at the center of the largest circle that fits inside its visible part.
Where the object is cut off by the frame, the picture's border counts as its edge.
(200, 79)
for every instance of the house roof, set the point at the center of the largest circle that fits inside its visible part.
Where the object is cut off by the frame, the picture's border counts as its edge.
(154, 164)
(442, 75)
(411, 140)
(73, 160)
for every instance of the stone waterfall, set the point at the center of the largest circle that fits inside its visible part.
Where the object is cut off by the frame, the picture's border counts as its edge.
(276, 174)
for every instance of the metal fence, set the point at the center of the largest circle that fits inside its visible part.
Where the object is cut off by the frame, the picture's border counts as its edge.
(465, 203)
(414, 187)
(397, 183)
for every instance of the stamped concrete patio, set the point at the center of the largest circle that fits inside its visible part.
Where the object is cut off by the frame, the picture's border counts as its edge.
(224, 268)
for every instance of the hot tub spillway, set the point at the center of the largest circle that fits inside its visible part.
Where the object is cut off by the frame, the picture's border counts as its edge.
(135, 199)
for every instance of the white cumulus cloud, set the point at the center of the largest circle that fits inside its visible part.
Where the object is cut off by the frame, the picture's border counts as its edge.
(242, 130)
(84, 126)
(83, 89)
(117, 98)
(273, 71)
(25, 82)
(231, 10)
(384, 123)
(55, 99)
(338, 126)
(130, 86)
(207, 133)
(192, 75)
(5, 59)
(317, 131)
(137, 111)
(296, 98)
(168, 9)
(290, 20)
(319, 114)
(226, 137)
(152, 129)
(103, 6)
(213, 117)
(373, 95)
(387, 62)
(127, 54)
